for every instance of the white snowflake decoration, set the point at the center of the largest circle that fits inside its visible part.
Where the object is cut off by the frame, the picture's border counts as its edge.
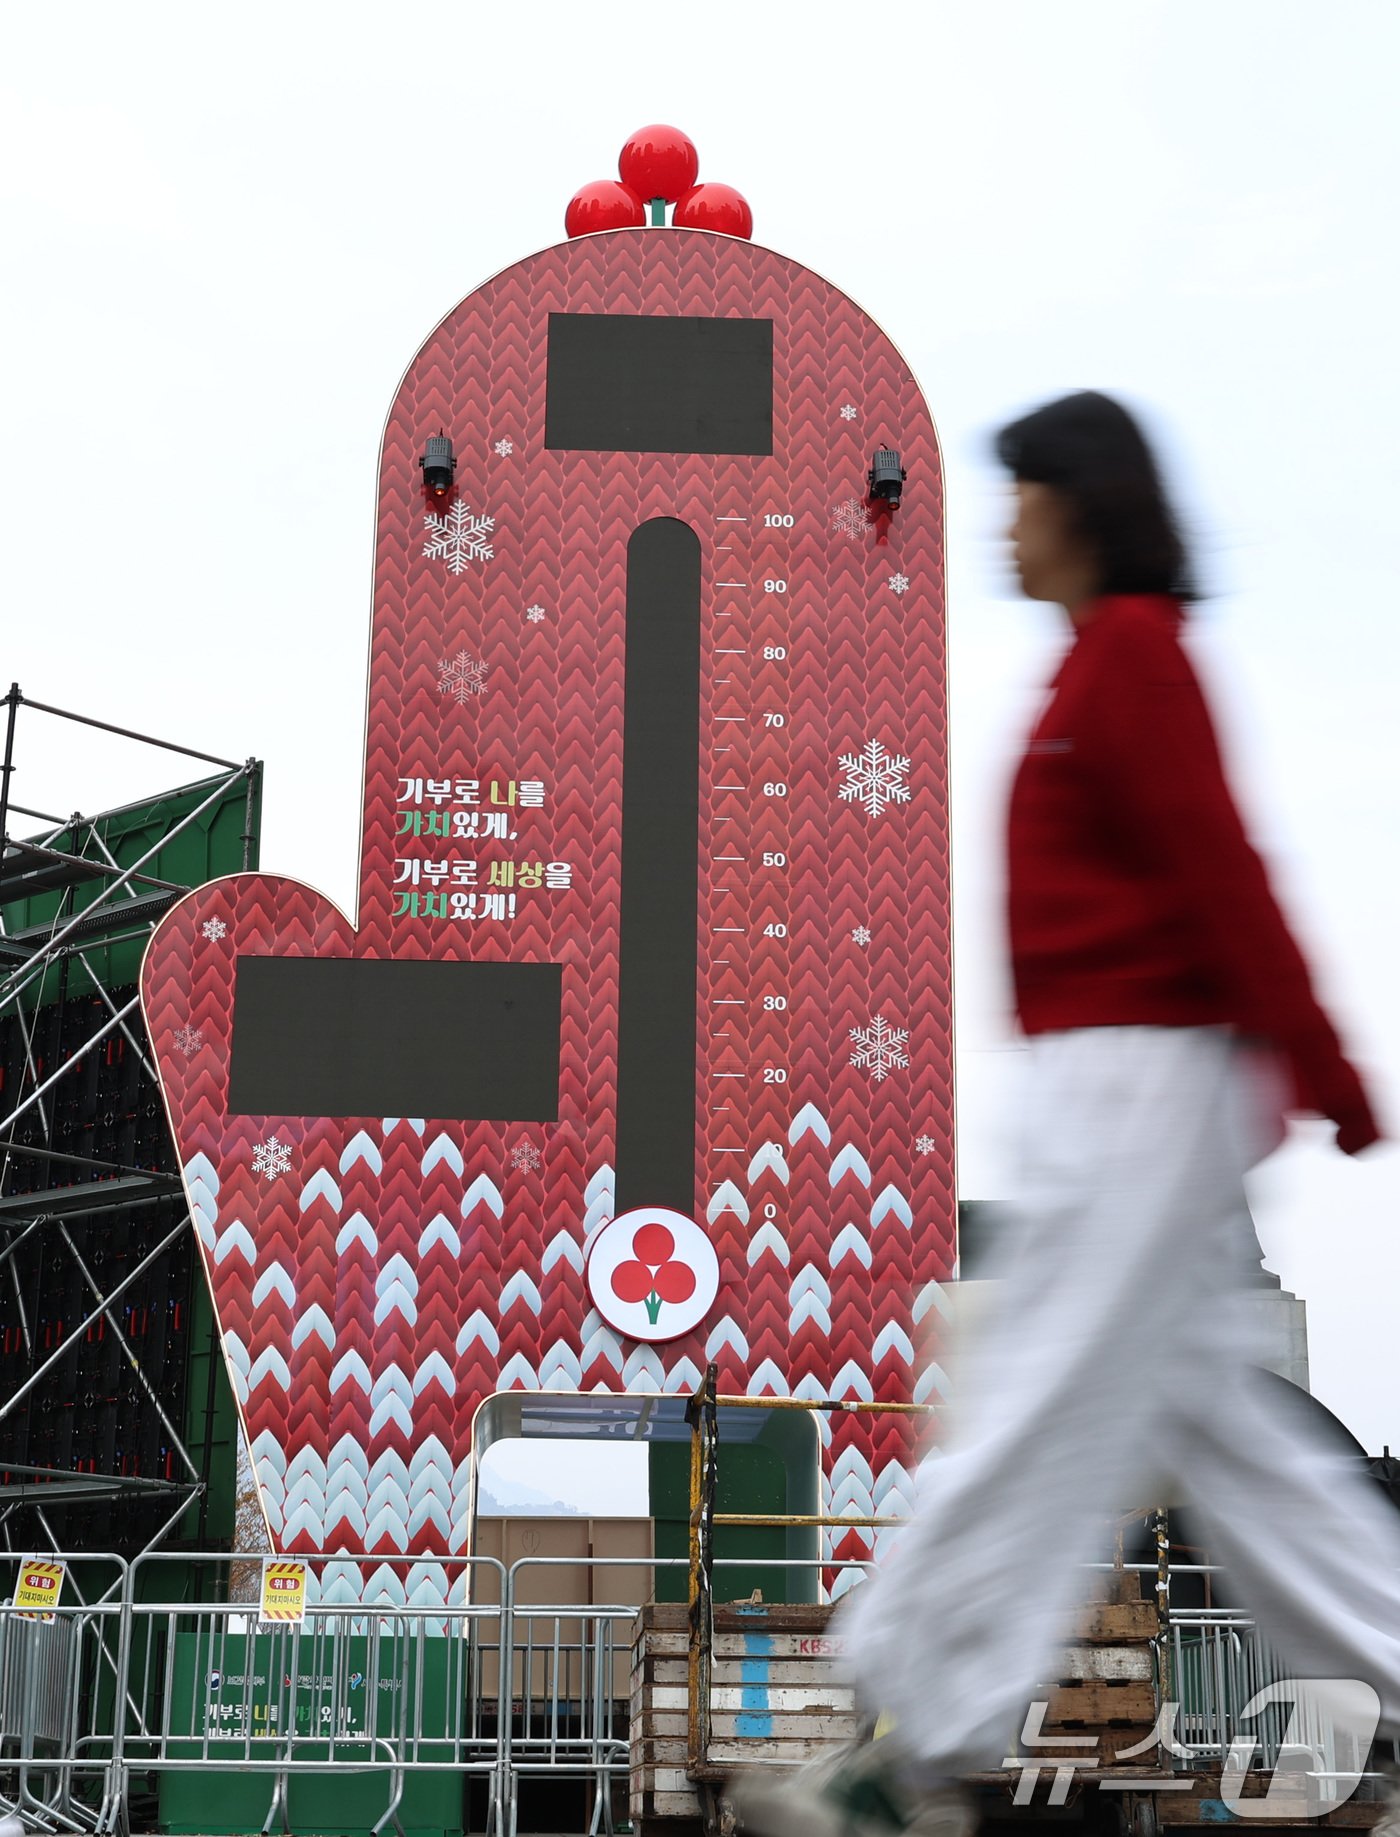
(848, 411)
(461, 677)
(925, 1144)
(525, 1157)
(899, 583)
(861, 935)
(879, 1048)
(271, 1158)
(458, 538)
(188, 1040)
(874, 777)
(504, 447)
(214, 929)
(849, 518)
(534, 614)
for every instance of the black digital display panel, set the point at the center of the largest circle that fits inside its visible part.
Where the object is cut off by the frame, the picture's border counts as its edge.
(346, 1036)
(656, 1037)
(635, 383)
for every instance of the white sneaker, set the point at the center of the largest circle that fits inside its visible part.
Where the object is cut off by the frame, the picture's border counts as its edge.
(852, 1792)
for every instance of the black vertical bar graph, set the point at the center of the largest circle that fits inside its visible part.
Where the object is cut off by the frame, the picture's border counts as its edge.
(656, 1047)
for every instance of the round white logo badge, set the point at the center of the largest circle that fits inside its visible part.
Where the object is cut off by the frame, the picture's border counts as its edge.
(652, 1273)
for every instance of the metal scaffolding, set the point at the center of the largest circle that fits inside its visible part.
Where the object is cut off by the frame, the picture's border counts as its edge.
(44, 1190)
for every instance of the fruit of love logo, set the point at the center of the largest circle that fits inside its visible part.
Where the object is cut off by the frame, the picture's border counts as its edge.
(652, 1273)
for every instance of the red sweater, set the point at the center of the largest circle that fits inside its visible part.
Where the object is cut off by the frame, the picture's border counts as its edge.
(1135, 897)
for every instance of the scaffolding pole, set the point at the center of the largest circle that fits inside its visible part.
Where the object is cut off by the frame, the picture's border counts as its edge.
(127, 906)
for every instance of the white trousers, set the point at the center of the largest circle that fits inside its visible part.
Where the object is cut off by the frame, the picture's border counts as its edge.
(1118, 1357)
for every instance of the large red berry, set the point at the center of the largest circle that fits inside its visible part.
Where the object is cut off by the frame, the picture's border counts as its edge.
(675, 1282)
(603, 204)
(632, 1282)
(714, 207)
(659, 162)
(653, 1244)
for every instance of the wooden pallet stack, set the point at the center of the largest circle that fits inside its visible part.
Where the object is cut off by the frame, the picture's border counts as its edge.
(1103, 1685)
(777, 1698)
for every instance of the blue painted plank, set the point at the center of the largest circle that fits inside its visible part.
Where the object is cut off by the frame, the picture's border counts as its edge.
(754, 1728)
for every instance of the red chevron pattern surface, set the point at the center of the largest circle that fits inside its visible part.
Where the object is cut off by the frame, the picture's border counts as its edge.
(376, 1278)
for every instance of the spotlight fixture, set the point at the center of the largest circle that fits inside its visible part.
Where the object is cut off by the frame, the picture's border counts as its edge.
(439, 465)
(887, 478)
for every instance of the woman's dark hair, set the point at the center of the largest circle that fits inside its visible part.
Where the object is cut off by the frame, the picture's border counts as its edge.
(1089, 448)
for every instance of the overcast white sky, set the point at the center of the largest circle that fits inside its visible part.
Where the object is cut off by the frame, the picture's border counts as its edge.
(225, 233)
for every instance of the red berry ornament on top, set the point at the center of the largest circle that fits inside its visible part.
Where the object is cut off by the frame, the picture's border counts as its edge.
(603, 205)
(659, 162)
(714, 207)
(657, 167)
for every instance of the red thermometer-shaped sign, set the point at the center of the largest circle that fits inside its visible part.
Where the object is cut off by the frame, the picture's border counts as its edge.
(653, 912)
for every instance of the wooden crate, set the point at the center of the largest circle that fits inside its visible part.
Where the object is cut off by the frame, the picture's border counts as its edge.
(1104, 1686)
(774, 1697)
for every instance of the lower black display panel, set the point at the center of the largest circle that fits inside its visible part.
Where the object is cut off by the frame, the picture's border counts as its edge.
(344, 1036)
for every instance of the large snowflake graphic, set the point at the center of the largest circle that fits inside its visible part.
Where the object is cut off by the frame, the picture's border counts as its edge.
(525, 1157)
(461, 677)
(458, 538)
(271, 1158)
(188, 1040)
(925, 1144)
(874, 777)
(849, 518)
(879, 1048)
(214, 929)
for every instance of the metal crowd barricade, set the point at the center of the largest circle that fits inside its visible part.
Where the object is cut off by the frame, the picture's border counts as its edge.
(1219, 1663)
(565, 1683)
(393, 1675)
(59, 1683)
(364, 1684)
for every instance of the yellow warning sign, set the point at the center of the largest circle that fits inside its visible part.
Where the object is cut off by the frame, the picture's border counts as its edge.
(283, 1590)
(39, 1585)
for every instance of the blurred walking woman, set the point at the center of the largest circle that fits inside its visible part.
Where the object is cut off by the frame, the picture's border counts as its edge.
(1148, 952)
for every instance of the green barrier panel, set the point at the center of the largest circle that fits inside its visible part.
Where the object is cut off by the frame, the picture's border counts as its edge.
(777, 1473)
(213, 1694)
